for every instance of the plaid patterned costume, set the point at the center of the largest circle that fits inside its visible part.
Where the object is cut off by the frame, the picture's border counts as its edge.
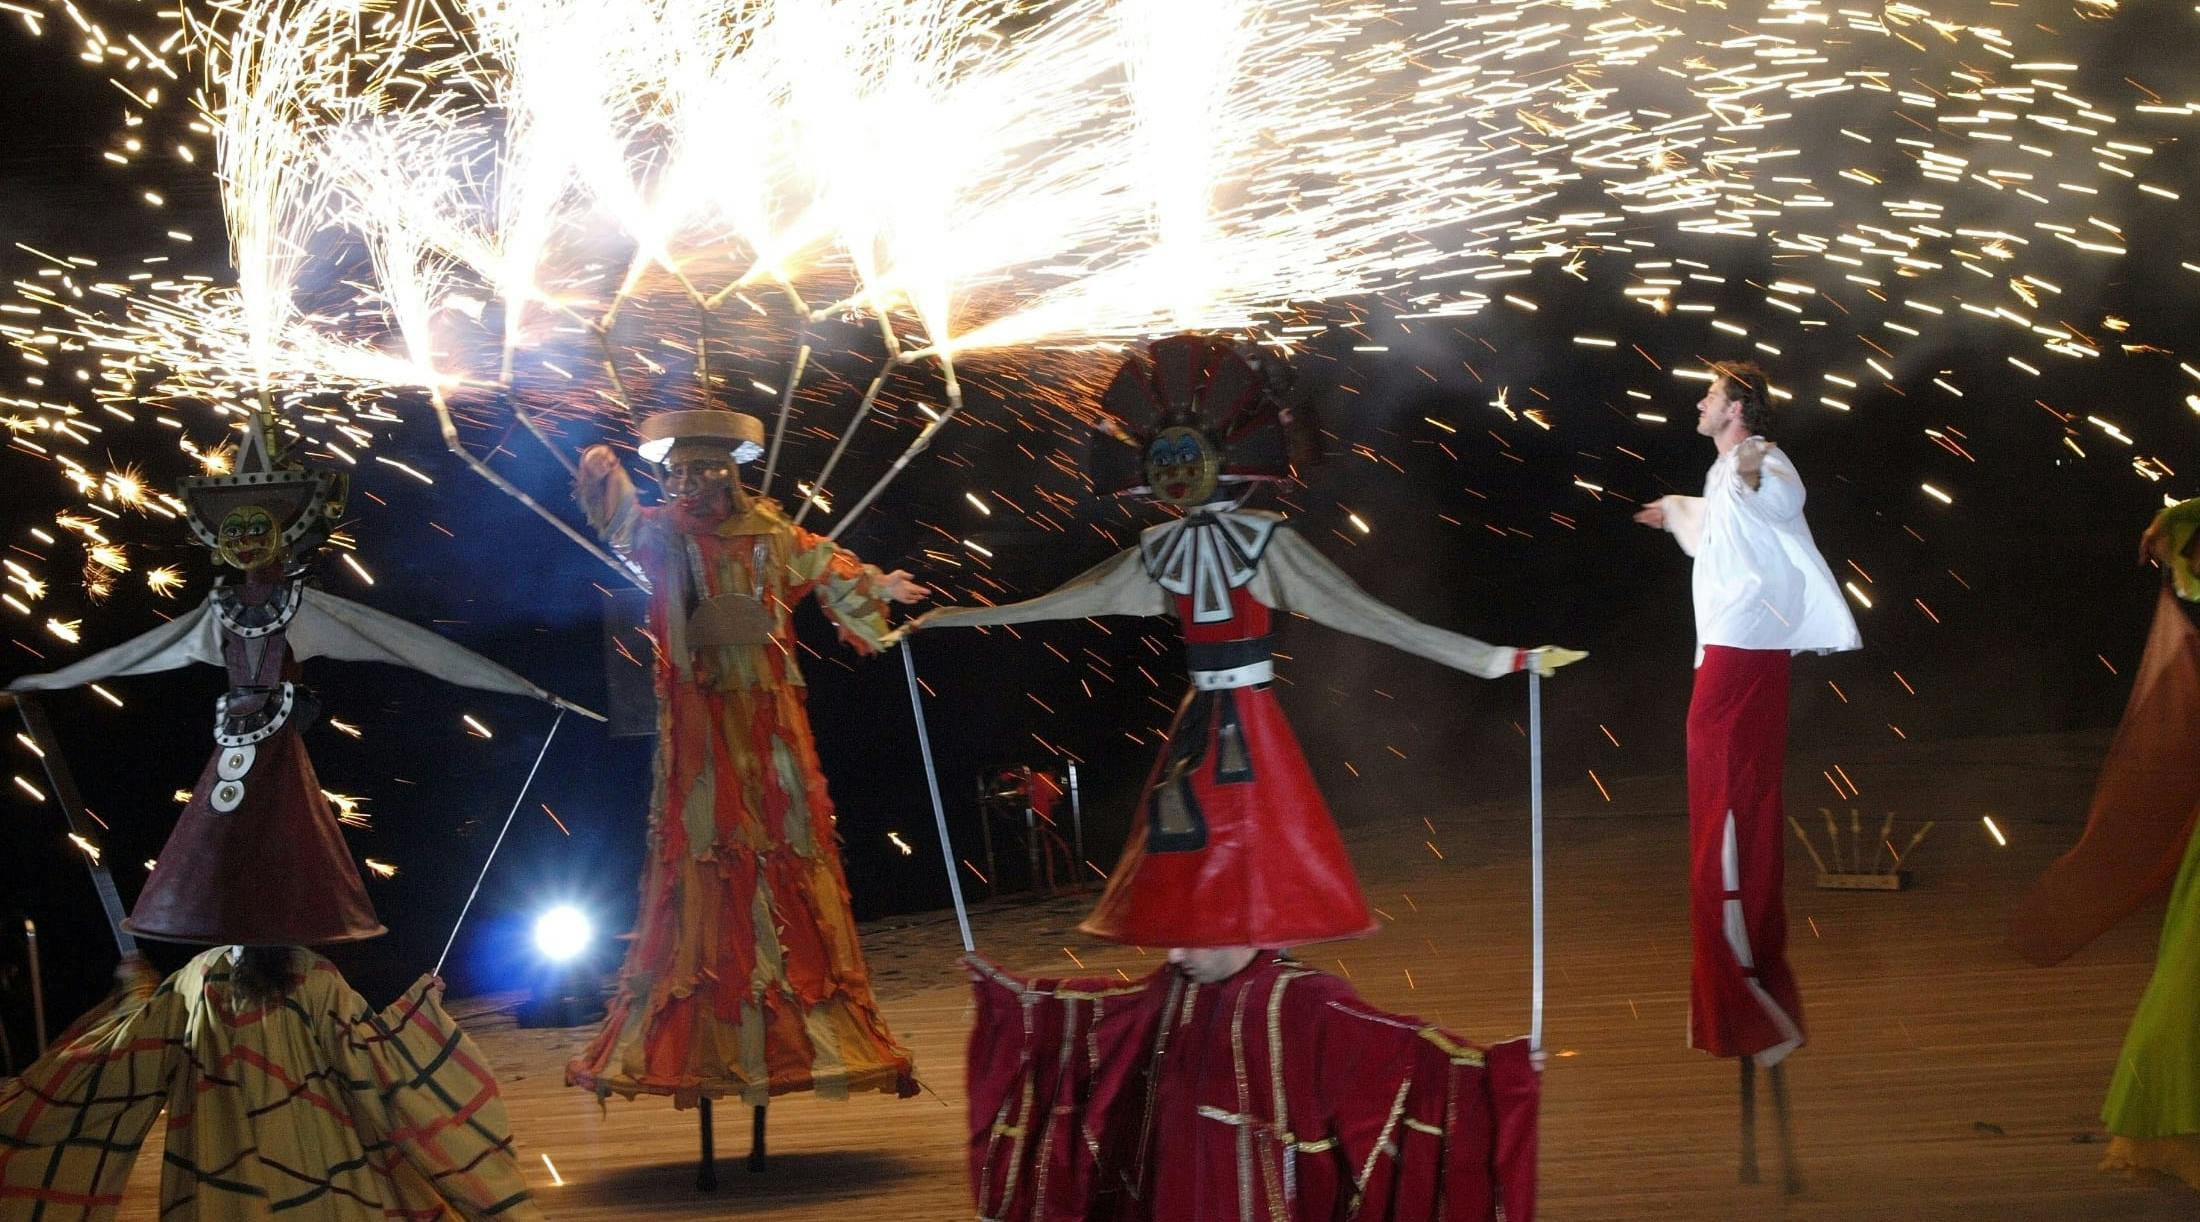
(312, 1107)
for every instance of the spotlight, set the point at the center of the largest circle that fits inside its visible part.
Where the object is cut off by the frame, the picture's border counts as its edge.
(567, 991)
(563, 933)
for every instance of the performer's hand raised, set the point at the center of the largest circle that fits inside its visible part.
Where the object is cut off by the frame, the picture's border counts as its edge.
(1546, 659)
(1652, 516)
(598, 462)
(1749, 460)
(902, 588)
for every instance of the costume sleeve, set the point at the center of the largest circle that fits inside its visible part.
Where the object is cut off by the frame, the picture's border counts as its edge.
(1429, 1125)
(70, 1127)
(418, 1086)
(1778, 495)
(1683, 520)
(850, 591)
(179, 642)
(1294, 576)
(1052, 1076)
(330, 627)
(1115, 586)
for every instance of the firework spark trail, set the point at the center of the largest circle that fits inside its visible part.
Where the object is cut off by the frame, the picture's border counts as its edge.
(537, 195)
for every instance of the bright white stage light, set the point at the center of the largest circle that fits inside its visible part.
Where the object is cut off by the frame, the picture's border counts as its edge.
(562, 933)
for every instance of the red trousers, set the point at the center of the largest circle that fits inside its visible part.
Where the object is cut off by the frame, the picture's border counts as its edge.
(1742, 997)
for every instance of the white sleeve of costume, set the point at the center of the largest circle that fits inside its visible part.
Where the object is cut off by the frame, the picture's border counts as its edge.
(1778, 495)
(1684, 519)
(1116, 586)
(179, 642)
(330, 627)
(1294, 576)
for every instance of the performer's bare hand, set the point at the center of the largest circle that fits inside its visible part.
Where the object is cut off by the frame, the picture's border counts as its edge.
(1749, 460)
(598, 462)
(1652, 516)
(902, 588)
(1546, 659)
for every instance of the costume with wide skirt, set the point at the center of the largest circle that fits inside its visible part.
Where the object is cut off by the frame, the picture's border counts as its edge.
(2137, 832)
(745, 977)
(1276, 1094)
(314, 1105)
(1231, 770)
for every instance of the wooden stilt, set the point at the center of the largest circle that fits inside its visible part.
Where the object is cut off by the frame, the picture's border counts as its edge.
(706, 1171)
(756, 1141)
(1749, 1120)
(1791, 1180)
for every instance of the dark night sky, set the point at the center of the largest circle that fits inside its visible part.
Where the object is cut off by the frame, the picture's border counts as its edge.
(2042, 591)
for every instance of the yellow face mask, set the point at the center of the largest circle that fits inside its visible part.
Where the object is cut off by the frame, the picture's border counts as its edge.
(249, 539)
(1181, 467)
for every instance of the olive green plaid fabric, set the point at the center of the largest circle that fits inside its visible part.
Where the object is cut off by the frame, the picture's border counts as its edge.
(312, 1106)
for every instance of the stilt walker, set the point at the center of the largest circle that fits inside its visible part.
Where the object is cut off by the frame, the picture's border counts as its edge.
(745, 978)
(1236, 1079)
(284, 1089)
(2138, 840)
(1762, 592)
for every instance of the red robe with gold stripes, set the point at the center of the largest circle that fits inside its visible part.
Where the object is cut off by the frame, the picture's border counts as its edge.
(1277, 1095)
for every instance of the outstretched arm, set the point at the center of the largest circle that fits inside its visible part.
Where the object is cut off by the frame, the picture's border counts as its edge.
(853, 594)
(331, 627)
(1680, 516)
(606, 496)
(179, 642)
(1295, 577)
(1768, 486)
(1116, 586)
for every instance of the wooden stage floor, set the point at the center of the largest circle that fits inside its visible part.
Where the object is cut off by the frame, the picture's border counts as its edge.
(1945, 1078)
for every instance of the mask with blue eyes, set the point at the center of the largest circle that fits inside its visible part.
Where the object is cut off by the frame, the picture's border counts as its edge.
(1181, 467)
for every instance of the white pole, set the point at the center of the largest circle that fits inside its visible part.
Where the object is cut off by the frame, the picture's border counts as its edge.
(932, 782)
(1535, 856)
(518, 798)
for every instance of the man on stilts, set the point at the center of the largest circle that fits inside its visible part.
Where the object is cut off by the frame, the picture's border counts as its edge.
(1235, 1082)
(745, 978)
(1762, 593)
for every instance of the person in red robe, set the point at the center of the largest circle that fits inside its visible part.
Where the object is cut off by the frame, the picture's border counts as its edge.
(1235, 1082)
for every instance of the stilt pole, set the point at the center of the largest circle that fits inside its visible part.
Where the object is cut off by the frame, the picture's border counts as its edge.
(706, 1169)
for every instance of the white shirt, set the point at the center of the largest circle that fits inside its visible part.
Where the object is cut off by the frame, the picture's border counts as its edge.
(1759, 581)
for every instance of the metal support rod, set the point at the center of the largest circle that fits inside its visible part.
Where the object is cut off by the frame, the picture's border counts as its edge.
(65, 793)
(786, 406)
(1535, 857)
(915, 448)
(1749, 1120)
(706, 1169)
(508, 488)
(38, 990)
(932, 783)
(756, 1139)
(547, 739)
(863, 410)
(1076, 818)
(1791, 1180)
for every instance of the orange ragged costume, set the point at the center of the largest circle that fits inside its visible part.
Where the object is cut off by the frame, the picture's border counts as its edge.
(745, 978)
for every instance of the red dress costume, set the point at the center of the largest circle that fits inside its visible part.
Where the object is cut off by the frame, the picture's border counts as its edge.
(1277, 1094)
(745, 977)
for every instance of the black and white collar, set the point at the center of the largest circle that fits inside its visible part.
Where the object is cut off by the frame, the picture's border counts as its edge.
(1206, 554)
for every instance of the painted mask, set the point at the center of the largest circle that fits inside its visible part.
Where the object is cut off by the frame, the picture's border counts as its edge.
(1182, 466)
(249, 538)
(702, 485)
